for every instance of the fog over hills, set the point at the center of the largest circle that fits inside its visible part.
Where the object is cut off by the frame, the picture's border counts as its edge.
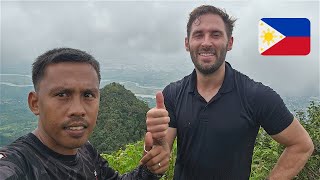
(143, 41)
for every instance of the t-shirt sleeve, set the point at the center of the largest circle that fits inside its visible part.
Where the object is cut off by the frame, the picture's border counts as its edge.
(10, 166)
(270, 110)
(169, 100)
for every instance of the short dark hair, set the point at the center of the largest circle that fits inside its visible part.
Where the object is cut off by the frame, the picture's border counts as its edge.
(208, 9)
(60, 55)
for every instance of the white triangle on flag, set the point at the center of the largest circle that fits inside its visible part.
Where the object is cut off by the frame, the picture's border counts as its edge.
(268, 36)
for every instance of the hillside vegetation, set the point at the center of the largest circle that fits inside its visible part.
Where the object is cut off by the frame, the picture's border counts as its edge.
(121, 119)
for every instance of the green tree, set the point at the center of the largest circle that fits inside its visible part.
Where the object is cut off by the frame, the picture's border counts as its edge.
(121, 119)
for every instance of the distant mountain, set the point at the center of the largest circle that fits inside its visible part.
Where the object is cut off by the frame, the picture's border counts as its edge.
(121, 119)
(15, 117)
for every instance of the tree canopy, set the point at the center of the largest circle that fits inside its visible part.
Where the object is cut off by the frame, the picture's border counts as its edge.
(121, 119)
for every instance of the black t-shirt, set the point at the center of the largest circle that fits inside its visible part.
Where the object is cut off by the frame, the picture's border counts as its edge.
(27, 158)
(215, 139)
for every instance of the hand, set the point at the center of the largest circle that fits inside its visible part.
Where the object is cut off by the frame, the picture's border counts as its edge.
(158, 156)
(157, 120)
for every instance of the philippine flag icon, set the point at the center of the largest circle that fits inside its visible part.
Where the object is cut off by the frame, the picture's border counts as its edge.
(284, 36)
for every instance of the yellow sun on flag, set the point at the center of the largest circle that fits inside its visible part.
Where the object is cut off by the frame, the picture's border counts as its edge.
(268, 36)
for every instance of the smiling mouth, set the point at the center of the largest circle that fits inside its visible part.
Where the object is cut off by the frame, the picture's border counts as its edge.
(206, 54)
(76, 131)
(75, 128)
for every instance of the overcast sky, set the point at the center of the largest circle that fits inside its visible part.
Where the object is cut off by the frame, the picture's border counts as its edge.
(145, 32)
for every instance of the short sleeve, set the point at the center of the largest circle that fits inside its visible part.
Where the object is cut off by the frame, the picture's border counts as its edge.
(271, 111)
(10, 165)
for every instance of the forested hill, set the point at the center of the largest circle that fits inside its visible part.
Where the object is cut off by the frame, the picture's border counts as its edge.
(121, 119)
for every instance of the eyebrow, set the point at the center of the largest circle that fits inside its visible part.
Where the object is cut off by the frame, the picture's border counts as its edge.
(70, 90)
(197, 32)
(94, 90)
(200, 31)
(217, 31)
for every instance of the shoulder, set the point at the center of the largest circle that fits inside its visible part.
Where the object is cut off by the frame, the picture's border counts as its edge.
(174, 88)
(13, 158)
(255, 95)
(246, 83)
(17, 148)
(249, 87)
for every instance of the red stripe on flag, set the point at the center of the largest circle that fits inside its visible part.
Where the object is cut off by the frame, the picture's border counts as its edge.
(290, 46)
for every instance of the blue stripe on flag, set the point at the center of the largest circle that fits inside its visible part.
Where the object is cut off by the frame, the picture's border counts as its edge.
(290, 26)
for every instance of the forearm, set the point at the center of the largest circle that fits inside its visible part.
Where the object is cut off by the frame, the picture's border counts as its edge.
(290, 163)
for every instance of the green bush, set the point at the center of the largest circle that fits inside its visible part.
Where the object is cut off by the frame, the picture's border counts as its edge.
(126, 160)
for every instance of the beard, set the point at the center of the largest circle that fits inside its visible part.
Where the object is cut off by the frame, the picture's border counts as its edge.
(220, 58)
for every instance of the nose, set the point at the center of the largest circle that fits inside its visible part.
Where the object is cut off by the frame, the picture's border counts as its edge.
(76, 107)
(206, 41)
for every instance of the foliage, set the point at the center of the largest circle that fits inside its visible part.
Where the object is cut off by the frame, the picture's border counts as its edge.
(311, 122)
(267, 151)
(265, 156)
(121, 119)
(128, 159)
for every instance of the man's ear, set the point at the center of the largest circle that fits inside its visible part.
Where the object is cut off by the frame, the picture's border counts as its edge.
(33, 102)
(186, 43)
(230, 43)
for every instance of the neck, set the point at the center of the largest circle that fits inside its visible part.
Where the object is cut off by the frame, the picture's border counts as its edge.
(209, 84)
(50, 143)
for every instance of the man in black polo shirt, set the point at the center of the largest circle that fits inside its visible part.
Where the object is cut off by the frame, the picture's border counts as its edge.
(216, 111)
(66, 101)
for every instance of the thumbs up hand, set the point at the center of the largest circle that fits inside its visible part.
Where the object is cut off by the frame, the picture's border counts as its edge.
(158, 119)
(157, 152)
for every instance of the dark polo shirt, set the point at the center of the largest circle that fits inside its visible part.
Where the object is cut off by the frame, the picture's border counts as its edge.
(216, 139)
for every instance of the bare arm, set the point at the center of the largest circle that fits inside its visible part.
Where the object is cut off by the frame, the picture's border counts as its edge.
(171, 135)
(299, 148)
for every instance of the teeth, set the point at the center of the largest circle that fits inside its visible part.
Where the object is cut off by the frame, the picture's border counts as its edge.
(76, 128)
(206, 54)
